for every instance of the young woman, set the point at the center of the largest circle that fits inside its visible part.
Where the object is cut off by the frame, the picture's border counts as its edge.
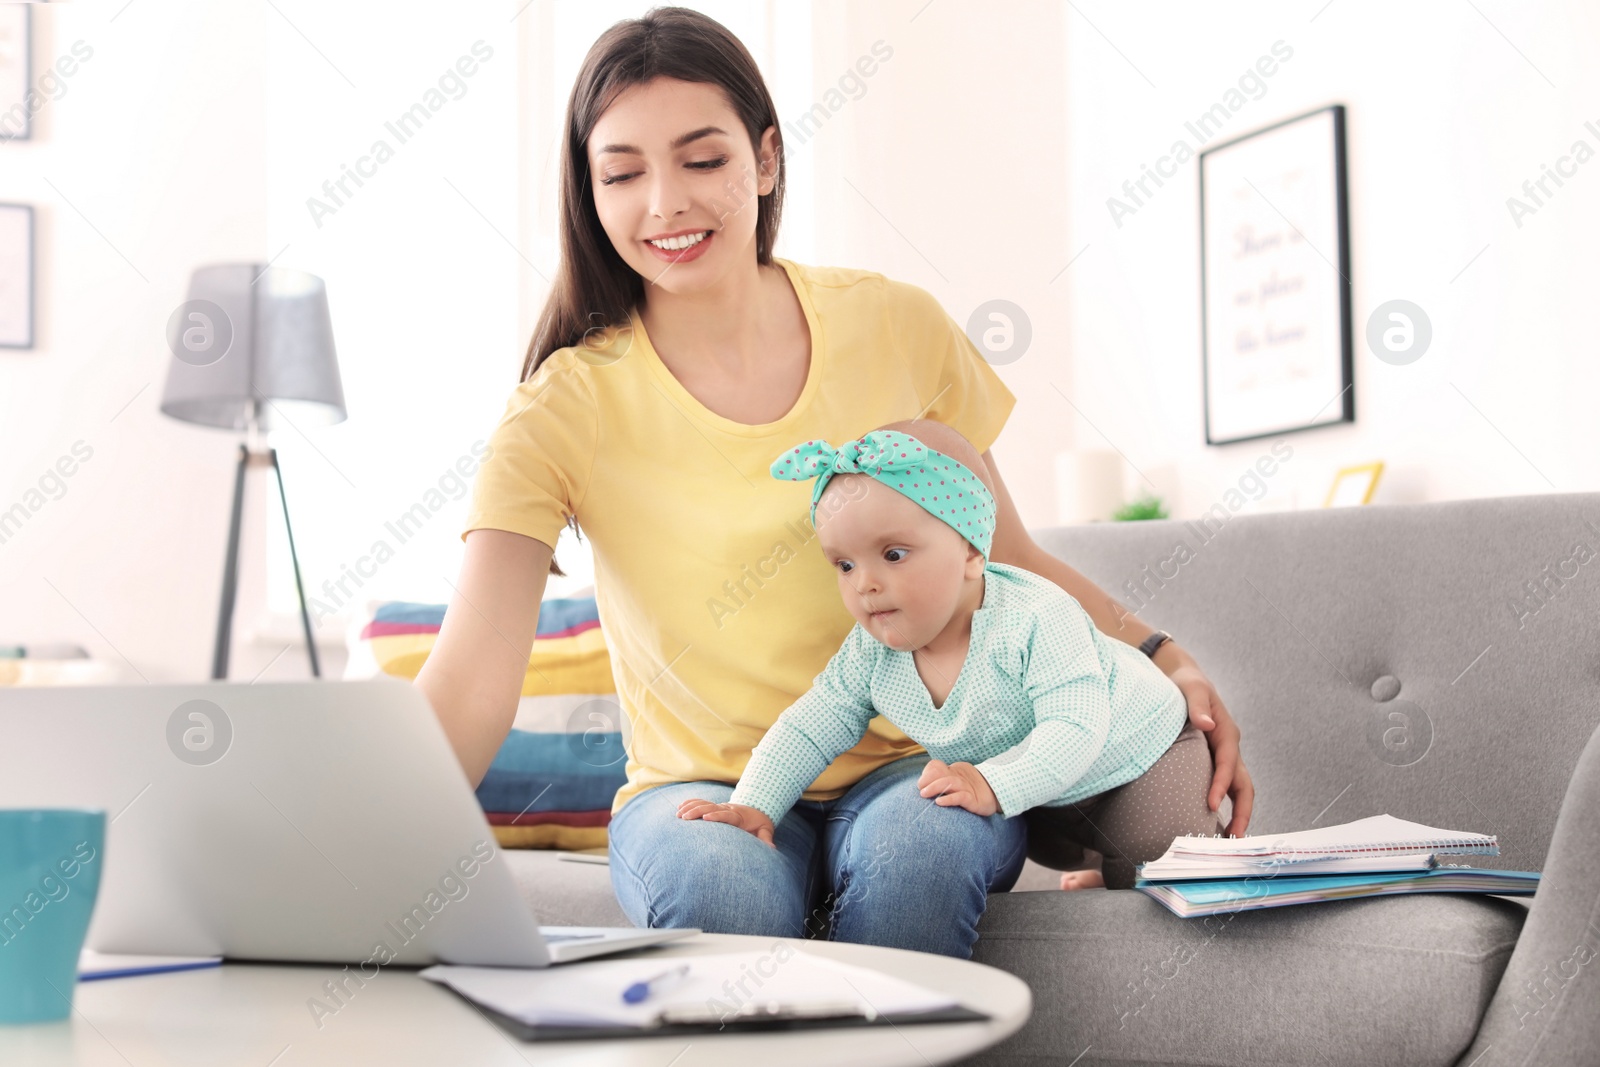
(674, 359)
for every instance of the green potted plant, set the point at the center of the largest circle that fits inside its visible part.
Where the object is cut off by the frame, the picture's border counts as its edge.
(1146, 507)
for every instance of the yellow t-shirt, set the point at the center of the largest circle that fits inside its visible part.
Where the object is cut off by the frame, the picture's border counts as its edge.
(717, 605)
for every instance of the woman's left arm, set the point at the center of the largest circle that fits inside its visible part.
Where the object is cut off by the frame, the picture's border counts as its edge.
(1013, 545)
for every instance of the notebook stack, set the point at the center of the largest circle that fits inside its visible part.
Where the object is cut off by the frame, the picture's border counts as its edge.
(1376, 856)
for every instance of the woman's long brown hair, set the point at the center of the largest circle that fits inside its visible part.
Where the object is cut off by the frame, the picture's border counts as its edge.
(593, 287)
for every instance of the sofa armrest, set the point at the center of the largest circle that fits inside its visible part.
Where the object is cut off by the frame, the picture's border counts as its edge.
(1547, 1006)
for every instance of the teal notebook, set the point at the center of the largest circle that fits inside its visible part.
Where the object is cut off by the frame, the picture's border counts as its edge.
(1192, 898)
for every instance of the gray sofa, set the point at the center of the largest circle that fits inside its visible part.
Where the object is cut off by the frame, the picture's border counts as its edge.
(1440, 662)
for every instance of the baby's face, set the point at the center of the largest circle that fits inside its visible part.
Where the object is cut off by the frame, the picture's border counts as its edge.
(900, 569)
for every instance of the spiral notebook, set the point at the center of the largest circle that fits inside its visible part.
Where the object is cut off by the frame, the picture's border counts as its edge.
(1172, 867)
(1373, 836)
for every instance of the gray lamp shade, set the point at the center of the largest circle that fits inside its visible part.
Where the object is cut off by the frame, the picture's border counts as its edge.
(253, 341)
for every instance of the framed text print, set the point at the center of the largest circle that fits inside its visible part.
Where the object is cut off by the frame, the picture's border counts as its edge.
(1275, 280)
(16, 276)
(16, 121)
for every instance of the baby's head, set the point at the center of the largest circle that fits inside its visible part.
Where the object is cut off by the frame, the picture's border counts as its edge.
(904, 572)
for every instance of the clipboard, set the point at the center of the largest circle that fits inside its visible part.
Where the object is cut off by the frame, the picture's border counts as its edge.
(752, 1017)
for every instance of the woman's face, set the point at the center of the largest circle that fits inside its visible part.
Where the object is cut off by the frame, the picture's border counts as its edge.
(671, 161)
(893, 558)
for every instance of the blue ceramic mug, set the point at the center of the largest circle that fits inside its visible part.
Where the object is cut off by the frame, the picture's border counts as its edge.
(50, 860)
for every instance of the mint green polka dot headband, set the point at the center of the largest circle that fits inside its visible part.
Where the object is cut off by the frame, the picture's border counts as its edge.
(946, 488)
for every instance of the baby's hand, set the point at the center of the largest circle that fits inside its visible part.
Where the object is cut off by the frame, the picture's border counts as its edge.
(751, 820)
(962, 784)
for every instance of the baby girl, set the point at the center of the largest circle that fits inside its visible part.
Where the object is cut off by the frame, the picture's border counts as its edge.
(1022, 704)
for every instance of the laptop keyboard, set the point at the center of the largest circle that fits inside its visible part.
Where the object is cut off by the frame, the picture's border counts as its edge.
(572, 937)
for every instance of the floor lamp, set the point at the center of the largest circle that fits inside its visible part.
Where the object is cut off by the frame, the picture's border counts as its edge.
(252, 350)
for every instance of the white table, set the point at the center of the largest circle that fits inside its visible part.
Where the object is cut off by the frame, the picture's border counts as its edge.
(256, 1015)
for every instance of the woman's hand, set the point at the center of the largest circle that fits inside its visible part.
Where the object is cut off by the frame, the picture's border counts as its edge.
(752, 821)
(1207, 711)
(958, 784)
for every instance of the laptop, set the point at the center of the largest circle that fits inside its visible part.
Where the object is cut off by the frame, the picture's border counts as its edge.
(316, 821)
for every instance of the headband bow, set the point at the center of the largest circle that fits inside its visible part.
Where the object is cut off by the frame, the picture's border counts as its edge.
(944, 487)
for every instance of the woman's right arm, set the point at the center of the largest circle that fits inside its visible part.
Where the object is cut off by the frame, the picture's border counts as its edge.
(473, 677)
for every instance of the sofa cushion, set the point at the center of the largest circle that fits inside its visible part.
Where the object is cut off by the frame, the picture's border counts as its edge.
(565, 892)
(1118, 978)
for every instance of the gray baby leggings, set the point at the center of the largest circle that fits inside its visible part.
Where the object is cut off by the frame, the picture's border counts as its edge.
(1134, 822)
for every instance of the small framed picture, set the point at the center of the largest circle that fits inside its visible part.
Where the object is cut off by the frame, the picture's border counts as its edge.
(16, 276)
(16, 121)
(1354, 485)
(1275, 280)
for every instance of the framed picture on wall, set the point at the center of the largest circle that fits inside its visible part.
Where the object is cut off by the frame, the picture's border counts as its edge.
(16, 121)
(1275, 280)
(16, 276)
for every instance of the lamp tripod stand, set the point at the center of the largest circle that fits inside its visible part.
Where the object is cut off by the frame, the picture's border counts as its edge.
(230, 570)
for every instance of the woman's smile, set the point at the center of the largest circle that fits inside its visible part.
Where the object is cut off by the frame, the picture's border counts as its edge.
(685, 248)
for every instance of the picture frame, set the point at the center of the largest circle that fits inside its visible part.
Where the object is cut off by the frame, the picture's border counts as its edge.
(16, 275)
(1354, 485)
(16, 71)
(1275, 292)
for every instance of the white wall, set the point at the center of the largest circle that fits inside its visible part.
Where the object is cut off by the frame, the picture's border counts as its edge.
(151, 163)
(195, 134)
(949, 171)
(424, 270)
(1450, 110)
(980, 161)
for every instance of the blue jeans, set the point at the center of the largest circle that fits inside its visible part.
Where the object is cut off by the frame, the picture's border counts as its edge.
(893, 868)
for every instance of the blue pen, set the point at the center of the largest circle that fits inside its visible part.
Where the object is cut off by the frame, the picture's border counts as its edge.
(640, 990)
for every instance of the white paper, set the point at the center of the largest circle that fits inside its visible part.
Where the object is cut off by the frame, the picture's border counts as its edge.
(1372, 833)
(590, 993)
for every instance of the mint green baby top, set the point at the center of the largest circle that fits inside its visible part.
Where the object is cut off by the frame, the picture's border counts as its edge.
(1048, 708)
